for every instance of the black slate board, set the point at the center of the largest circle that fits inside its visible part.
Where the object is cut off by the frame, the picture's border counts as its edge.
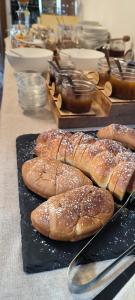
(42, 254)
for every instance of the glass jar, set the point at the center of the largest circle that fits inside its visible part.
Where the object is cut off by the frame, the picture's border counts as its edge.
(62, 62)
(66, 36)
(123, 87)
(78, 96)
(117, 48)
(18, 34)
(103, 69)
(32, 92)
(73, 74)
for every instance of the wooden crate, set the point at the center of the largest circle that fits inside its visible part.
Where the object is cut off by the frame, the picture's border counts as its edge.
(104, 110)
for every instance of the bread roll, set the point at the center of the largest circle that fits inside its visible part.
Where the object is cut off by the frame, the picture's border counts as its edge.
(51, 177)
(74, 215)
(119, 133)
(99, 159)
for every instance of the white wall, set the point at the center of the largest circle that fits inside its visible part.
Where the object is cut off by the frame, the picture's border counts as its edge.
(117, 15)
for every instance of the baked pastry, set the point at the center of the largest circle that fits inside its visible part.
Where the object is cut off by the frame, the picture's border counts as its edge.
(48, 143)
(51, 177)
(99, 159)
(119, 133)
(74, 215)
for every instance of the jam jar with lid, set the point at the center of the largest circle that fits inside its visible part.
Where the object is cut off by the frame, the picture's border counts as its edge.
(123, 86)
(78, 96)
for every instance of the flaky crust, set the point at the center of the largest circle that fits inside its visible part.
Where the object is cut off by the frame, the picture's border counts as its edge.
(119, 133)
(48, 177)
(74, 215)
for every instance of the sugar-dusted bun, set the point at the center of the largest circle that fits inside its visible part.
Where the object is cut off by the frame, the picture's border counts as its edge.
(119, 133)
(51, 177)
(97, 158)
(74, 215)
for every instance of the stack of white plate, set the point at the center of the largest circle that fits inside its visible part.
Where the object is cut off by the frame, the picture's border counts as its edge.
(93, 35)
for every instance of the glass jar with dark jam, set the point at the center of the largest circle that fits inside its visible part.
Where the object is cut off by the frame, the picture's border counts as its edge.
(103, 69)
(123, 87)
(78, 96)
(63, 74)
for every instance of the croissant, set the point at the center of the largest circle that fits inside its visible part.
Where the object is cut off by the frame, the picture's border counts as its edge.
(75, 214)
(51, 177)
(119, 133)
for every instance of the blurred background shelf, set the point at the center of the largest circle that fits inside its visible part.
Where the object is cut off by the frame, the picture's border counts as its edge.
(38, 7)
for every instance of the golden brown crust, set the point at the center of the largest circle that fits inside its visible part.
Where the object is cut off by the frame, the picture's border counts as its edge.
(113, 178)
(89, 153)
(78, 156)
(127, 171)
(39, 176)
(51, 177)
(101, 168)
(74, 215)
(119, 133)
(48, 143)
(61, 155)
(79, 161)
(113, 147)
(72, 146)
(125, 156)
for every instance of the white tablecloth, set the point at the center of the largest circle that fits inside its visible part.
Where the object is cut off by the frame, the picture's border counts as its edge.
(14, 283)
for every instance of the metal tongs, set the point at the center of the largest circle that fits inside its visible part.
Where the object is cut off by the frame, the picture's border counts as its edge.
(76, 287)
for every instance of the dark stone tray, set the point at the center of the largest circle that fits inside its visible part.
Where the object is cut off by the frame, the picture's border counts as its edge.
(42, 254)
